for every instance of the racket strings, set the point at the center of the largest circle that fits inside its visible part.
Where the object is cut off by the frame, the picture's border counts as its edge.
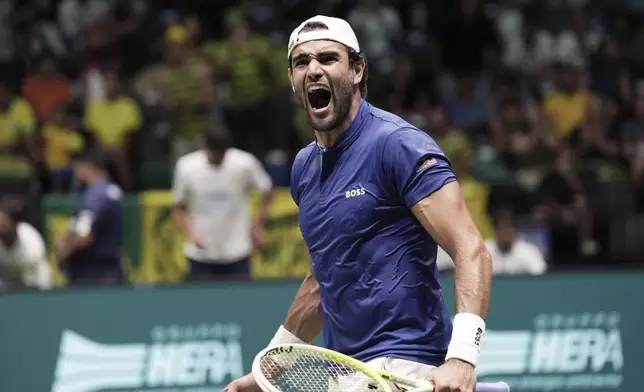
(303, 372)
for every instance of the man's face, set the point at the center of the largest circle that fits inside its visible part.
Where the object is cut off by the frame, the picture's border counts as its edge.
(324, 82)
(7, 229)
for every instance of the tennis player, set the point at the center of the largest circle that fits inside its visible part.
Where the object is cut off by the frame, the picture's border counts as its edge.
(376, 195)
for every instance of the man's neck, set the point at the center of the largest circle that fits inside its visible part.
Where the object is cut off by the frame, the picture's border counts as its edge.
(327, 139)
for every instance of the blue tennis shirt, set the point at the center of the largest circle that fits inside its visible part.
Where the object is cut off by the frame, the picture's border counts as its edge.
(375, 263)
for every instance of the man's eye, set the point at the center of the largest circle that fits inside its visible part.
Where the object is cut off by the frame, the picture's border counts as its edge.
(299, 63)
(327, 59)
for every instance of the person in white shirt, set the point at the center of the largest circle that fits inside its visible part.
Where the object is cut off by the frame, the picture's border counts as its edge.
(23, 261)
(211, 188)
(512, 255)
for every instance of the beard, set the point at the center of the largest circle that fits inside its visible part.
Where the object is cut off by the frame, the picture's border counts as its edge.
(340, 102)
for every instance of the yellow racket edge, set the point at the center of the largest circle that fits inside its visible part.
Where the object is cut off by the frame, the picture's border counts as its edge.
(321, 352)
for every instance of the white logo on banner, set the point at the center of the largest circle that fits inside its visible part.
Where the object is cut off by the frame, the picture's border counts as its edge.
(574, 351)
(175, 359)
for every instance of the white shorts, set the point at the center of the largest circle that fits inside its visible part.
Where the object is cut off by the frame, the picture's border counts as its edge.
(402, 367)
(406, 368)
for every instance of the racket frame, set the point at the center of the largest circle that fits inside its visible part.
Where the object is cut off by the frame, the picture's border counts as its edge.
(381, 377)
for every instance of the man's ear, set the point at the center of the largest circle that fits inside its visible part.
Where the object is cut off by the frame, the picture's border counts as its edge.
(359, 68)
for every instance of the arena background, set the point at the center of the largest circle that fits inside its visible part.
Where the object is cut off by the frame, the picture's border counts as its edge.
(536, 103)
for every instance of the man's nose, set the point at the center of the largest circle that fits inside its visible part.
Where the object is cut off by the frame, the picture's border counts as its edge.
(315, 71)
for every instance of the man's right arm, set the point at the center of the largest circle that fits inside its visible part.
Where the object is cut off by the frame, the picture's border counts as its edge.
(304, 317)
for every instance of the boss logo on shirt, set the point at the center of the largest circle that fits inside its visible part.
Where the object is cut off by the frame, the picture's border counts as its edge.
(355, 192)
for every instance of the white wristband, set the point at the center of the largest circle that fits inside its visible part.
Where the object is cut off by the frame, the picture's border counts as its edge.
(467, 334)
(284, 336)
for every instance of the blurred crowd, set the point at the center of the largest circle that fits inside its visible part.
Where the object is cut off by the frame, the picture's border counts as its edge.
(538, 104)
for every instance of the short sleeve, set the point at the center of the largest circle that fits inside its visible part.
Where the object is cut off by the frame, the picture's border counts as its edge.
(180, 191)
(92, 208)
(259, 178)
(414, 165)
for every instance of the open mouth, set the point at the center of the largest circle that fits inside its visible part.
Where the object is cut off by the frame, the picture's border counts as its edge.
(319, 97)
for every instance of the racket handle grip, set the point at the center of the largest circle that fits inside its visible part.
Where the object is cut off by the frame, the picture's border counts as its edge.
(492, 387)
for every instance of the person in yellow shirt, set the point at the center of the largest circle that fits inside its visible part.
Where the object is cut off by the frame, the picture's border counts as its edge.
(112, 122)
(59, 140)
(246, 61)
(567, 107)
(17, 122)
(459, 150)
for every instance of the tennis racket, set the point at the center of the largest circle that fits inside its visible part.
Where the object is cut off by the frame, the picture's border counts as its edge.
(308, 368)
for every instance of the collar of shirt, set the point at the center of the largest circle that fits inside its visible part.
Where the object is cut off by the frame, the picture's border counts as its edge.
(96, 185)
(350, 134)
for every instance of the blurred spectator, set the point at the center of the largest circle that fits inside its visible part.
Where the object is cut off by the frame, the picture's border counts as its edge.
(608, 72)
(59, 139)
(23, 261)
(380, 34)
(512, 255)
(468, 107)
(453, 141)
(211, 190)
(113, 122)
(563, 205)
(632, 142)
(90, 253)
(47, 89)
(468, 38)
(632, 132)
(524, 141)
(17, 123)
(592, 146)
(566, 108)
(244, 60)
(186, 91)
(459, 151)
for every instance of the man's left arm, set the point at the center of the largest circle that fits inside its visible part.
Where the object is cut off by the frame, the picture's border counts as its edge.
(423, 179)
(445, 217)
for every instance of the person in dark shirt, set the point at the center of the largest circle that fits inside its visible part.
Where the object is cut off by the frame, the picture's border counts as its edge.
(91, 251)
(563, 205)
